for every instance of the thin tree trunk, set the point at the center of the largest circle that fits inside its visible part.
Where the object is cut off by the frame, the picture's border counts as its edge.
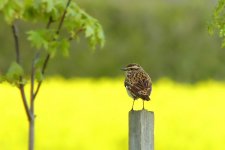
(31, 134)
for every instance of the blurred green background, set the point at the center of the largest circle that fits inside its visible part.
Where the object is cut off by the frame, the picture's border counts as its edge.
(169, 38)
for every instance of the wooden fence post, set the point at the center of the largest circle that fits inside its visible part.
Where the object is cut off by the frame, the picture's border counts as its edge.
(141, 130)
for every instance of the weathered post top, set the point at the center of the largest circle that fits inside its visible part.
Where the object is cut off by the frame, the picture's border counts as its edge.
(141, 130)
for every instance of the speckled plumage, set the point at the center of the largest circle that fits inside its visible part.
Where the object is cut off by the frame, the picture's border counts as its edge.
(137, 82)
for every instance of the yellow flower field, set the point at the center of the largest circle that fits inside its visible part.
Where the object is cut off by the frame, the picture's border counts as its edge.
(88, 114)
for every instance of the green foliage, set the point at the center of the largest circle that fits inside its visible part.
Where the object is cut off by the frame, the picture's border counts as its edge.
(39, 75)
(40, 38)
(77, 20)
(218, 25)
(43, 9)
(64, 47)
(49, 39)
(14, 74)
(12, 9)
(38, 62)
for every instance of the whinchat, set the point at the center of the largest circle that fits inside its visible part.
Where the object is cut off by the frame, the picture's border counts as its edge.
(137, 82)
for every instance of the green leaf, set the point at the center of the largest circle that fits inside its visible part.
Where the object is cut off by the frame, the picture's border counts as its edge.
(64, 47)
(39, 38)
(12, 10)
(210, 29)
(89, 31)
(218, 25)
(95, 35)
(3, 3)
(53, 45)
(48, 5)
(59, 46)
(39, 75)
(77, 19)
(30, 12)
(38, 63)
(100, 35)
(36, 39)
(14, 73)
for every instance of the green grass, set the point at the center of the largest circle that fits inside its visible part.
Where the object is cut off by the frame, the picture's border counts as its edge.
(85, 114)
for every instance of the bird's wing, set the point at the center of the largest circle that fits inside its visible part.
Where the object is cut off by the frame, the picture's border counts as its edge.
(144, 87)
(140, 88)
(133, 91)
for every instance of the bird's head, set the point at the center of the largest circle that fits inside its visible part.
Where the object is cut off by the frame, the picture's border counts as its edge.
(132, 67)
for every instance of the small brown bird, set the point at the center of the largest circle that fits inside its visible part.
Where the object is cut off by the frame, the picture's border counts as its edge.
(137, 82)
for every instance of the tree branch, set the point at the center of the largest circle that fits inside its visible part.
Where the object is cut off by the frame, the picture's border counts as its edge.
(16, 40)
(32, 87)
(76, 33)
(48, 55)
(42, 71)
(63, 17)
(50, 20)
(32, 93)
(21, 85)
(32, 78)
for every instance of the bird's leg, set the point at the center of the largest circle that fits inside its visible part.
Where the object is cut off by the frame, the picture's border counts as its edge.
(133, 105)
(143, 105)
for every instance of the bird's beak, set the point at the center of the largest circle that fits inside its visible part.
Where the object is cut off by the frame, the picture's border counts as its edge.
(124, 69)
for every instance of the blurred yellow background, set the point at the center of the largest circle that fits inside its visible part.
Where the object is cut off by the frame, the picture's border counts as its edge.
(88, 114)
